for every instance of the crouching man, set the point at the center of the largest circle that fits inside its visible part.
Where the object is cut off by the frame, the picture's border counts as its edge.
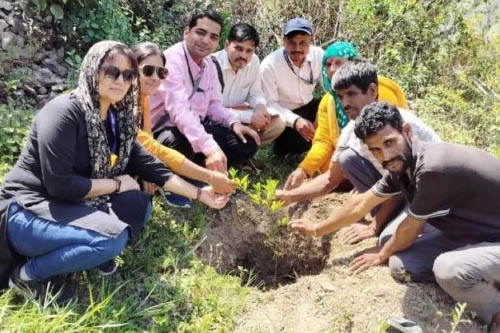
(452, 187)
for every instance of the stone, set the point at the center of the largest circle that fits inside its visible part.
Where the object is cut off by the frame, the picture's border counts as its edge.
(42, 91)
(45, 77)
(3, 25)
(20, 41)
(57, 88)
(60, 54)
(6, 5)
(30, 90)
(17, 25)
(8, 39)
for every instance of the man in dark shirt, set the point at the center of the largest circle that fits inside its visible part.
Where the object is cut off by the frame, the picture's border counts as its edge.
(454, 188)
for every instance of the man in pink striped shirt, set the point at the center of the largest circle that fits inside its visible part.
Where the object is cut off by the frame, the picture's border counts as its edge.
(187, 112)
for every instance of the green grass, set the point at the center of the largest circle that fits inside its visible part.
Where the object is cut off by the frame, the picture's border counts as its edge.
(160, 287)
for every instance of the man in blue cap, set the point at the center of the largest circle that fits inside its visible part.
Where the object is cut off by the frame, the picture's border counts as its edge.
(289, 76)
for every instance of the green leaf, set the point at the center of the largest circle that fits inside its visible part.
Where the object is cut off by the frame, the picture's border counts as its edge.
(57, 11)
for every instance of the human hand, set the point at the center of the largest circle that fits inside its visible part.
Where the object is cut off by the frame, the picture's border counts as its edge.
(217, 161)
(240, 130)
(295, 179)
(260, 118)
(359, 231)
(127, 183)
(305, 226)
(366, 259)
(212, 199)
(305, 129)
(221, 183)
(284, 196)
(149, 188)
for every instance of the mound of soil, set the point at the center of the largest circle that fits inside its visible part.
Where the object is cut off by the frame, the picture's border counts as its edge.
(244, 238)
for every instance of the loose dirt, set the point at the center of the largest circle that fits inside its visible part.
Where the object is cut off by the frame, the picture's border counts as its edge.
(336, 300)
(245, 239)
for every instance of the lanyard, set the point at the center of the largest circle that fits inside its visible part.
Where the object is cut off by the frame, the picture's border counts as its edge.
(194, 83)
(114, 131)
(310, 81)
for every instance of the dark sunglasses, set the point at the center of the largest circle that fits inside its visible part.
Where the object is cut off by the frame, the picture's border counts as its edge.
(148, 70)
(114, 73)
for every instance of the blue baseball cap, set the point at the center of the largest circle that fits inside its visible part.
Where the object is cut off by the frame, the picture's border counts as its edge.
(298, 24)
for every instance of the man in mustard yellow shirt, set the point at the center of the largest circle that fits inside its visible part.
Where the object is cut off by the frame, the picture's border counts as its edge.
(332, 118)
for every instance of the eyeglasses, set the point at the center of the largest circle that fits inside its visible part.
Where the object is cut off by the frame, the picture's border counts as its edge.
(114, 73)
(148, 70)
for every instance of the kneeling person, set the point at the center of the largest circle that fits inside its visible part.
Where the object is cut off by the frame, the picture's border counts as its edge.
(447, 185)
(239, 76)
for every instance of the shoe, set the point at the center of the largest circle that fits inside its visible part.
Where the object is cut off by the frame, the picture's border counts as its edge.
(175, 200)
(402, 325)
(107, 268)
(33, 288)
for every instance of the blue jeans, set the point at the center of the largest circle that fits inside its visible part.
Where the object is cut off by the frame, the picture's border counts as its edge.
(54, 248)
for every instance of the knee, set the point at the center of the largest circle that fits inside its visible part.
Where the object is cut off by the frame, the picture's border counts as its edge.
(112, 247)
(404, 268)
(347, 158)
(450, 274)
(278, 126)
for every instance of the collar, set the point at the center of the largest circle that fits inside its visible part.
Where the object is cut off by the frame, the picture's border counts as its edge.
(192, 63)
(224, 60)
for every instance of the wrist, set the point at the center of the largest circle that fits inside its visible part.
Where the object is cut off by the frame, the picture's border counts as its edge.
(295, 122)
(198, 194)
(233, 124)
(118, 185)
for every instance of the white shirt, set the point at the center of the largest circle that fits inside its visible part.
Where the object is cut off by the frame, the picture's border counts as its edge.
(348, 139)
(283, 89)
(243, 86)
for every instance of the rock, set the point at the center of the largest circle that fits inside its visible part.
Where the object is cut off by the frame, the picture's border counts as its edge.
(45, 77)
(3, 25)
(17, 24)
(6, 5)
(8, 39)
(30, 90)
(57, 88)
(42, 90)
(19, 41)
(60, 54)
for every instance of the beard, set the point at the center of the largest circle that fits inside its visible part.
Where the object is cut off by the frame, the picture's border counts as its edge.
(404, 158)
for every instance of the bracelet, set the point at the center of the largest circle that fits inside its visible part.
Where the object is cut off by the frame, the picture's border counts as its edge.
(198, 194)
(315, 230)
(118, 185)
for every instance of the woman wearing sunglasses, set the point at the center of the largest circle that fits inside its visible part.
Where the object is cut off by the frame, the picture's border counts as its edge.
(70, 203)
(151, 62)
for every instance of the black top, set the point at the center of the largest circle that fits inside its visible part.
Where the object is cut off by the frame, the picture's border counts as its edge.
(456, 188)
(51, 176)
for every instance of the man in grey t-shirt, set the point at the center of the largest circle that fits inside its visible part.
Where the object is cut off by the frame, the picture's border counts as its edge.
(455, 188)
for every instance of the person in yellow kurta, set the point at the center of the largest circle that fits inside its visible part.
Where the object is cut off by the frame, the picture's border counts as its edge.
(152, 71)
(331, 118)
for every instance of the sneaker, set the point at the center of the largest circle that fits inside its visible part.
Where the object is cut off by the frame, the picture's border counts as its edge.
(58, 289)
(175, 200)
(107, 268)
(33, 288)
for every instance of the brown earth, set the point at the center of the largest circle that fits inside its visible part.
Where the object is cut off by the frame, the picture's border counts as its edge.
(245, 239)
(336, 300)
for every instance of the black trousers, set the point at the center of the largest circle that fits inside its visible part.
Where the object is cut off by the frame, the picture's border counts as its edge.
(290, 141)
(235, 150)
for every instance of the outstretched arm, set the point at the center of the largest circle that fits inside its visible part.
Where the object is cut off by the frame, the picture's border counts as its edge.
(352, 211)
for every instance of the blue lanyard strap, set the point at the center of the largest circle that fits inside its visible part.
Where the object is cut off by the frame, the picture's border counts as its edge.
(311, 78)
(114, 131)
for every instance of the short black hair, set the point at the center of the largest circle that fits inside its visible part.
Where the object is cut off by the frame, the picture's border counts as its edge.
(241, 32)
(360, 73)
(146, 49)
(374, 117)
(207, 13)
